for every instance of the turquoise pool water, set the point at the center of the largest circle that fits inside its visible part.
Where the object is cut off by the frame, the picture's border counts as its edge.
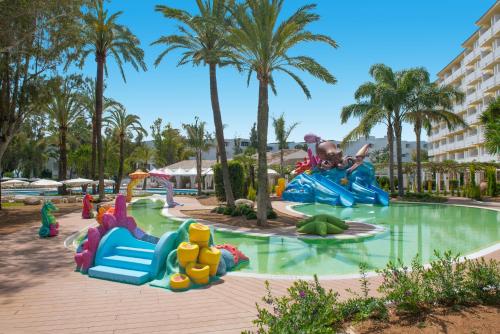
(409, 229)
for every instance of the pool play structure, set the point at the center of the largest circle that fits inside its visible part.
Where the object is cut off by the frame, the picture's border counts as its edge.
(118, 250)
(138, 244)
(330, 178)
(161, 176)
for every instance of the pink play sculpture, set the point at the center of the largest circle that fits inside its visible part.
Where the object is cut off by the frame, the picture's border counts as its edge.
(119, 218)
(87, 207)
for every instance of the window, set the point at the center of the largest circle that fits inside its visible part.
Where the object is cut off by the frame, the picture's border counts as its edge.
(407, 145)
(245, 143)
(226, 143)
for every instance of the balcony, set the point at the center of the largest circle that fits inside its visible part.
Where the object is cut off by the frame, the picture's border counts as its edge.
(486, 60)
(473, 98)
(487, 35)
(490, 84)
(472, 55)
(473, 77)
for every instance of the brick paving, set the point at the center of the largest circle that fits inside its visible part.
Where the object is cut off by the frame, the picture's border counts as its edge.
(41, 293)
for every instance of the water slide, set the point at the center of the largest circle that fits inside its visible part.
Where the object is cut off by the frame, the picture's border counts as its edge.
(346, 198)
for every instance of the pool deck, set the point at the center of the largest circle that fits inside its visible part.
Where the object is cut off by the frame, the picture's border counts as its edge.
(41, 293)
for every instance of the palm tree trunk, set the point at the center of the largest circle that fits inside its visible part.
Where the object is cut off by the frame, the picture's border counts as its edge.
(390, 139)
(120, 165)
(93, 174)
(399, 153)
(219, 134)
(282, 171)
(198, 171)
(418, 132)
(63, 158)
(144, 184)
(262, 125)
(98, 121)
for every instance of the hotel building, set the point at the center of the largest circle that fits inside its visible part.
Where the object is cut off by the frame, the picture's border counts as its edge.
(476, 72)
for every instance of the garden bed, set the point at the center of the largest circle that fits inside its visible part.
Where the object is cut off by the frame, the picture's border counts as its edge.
(240, 221)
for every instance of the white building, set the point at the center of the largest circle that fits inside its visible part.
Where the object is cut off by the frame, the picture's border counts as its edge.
(476, 71)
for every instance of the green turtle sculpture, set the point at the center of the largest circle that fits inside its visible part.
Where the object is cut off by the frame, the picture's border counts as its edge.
(322, 225)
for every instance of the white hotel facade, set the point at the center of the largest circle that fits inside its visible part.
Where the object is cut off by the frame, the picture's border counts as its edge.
(476, 72)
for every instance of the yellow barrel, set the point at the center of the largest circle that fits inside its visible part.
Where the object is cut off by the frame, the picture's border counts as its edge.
(179, 282)
(199, 234)
(210, 256)
(198, 272)
(187, 252)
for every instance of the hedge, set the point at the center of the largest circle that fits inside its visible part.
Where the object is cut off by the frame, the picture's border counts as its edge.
(237, 176)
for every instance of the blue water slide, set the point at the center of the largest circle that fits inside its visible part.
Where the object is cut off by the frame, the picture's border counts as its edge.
(346, 198)
(363, 194)
(382, 196)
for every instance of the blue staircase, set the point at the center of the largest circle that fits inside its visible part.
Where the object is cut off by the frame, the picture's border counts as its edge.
(123, 258)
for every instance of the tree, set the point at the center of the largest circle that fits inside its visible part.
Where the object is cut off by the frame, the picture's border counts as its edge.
(88, 100)
(261, 46)
(430, 103)
(169, 144)
(380, 156)
(490, 119)
(203, 37)
(123, 125)
(282, 134)
(254, 137)
(103, 36)
(424, 155)
(34, 38)
(200, 141)
(237, 146)
(63, 110)
(141, 157)
(374, 106)
(79, 160)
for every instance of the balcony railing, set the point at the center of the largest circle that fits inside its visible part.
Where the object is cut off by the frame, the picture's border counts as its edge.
(472, 55)
(489, 33)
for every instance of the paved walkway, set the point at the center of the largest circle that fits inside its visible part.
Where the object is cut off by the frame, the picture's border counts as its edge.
(41, 293)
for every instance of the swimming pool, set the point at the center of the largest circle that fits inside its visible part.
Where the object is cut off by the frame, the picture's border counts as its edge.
(408, 229)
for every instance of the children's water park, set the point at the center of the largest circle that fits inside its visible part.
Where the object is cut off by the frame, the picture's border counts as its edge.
(376, 213)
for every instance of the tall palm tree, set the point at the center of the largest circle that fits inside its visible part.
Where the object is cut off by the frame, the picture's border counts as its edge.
(203, 37)
(199, 140)
(430, 103)
(375, 104)
(282, 134)
(63, 110)
(88, 100)
(123, 125)
(262, 45)
(490, 119)
(103, 36)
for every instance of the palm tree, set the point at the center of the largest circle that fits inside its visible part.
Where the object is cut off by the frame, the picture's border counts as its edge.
(142, 155)
(430, 103)
(282, 134)
(63, 110)
(490, 119)
(374, 106)
(88, 100)
(123, 124)
(261, 45)
(199, 140)
(203, 37)
(103, 36)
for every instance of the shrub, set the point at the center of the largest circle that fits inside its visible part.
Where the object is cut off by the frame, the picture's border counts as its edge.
(483, 281)
(251, 215)
(307, 308)
(446, 280)
(491, 178)
(424, 197)
(228, 211)
(473, 191)
(363, 307)
(237, 177)
(405, 288)
(252, 193)
(271, 214)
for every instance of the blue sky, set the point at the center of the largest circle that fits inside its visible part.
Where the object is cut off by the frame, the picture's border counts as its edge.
(398, 33)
